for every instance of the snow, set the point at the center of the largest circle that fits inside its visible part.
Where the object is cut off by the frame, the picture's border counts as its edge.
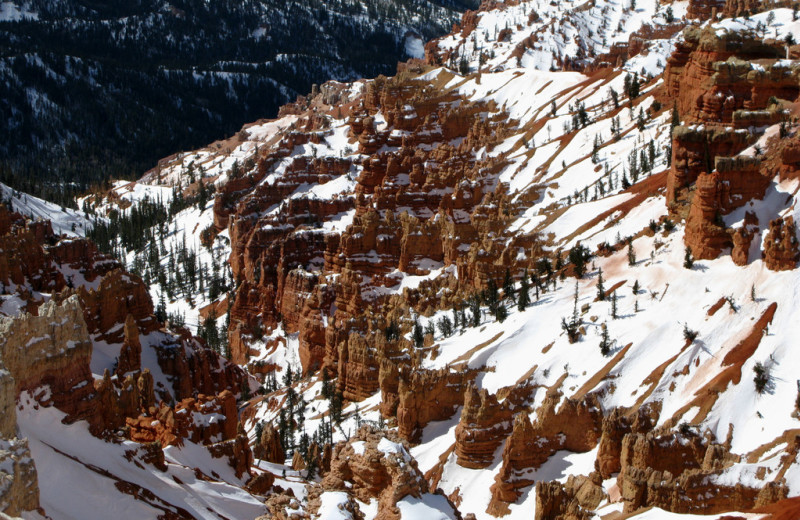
(430, 507)
(332, 506)
(414, 47)
(69, 453)
(11, 12)
(65, 221)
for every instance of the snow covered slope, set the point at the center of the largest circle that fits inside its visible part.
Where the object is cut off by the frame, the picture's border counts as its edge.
(64, 220)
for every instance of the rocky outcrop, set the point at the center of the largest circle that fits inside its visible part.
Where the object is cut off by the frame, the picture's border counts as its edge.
(412, 209)
(681, 473)
(673, 452)
(130, 356)
(19, 488)
(358, 368)
(237, 452)
(571, 501)
(425, 396)
(694, 152)
(518, 456)
(484, 423)
(743, 238)
(781, 250)
(692, 492)
(704, 9)
(616, 425)
(734, 182)
(567, 424)
(119, 295)
(268, 447)
(376, 465)
(54, 350)
(709, 77)
(205, 420)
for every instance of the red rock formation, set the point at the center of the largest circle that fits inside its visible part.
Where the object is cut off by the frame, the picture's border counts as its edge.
(118, 295)
(743, 238)
(52, 349)
(373, 465)
(734, 182)
(424, 396)
(484, 424)
(616, 425)
(568, 424)
(704, 9)
(237, 451)
(708, 89)
(694, 491)
(268, 447)
(19, 491)
(678, 473)
(571, 501)
(781, 251)
(694, 152)
(518, 456)
(130, 356)
(276, 255)
(205, 420)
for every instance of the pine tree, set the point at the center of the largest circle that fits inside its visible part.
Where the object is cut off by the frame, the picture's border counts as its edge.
(501, 313)
(578, 256)
(636, 287)
(605, 341)
(596, 150)
(601, 292)
(392, 331)
(492, 296)
(475, 310)
(326, 384)
(631, 253)
(445, 326)
(430, 328)
(688, 259)
(614, 305)
(335, 407)
(572, 327)
(418, 336)
(161, 310)
(509, 291)
(614, 97)
(524, 298)
(676, 119)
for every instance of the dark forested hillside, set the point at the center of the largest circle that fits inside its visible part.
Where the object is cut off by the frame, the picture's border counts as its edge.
(91, 90)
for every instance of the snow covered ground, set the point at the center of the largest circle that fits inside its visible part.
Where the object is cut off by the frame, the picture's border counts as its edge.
(65, 220)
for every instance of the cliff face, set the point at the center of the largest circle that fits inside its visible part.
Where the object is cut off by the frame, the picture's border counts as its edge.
(51, 350)
(721, 83)
(19, 488)
(733, 183)
(386, 197)
(673, 472)
(711, 80)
